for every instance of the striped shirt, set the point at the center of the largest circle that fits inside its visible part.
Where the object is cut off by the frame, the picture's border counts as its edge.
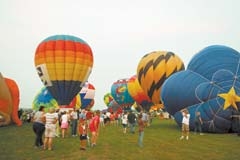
(50, 118)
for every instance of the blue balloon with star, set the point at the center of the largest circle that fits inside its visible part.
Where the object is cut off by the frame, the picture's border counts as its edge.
(210, 85)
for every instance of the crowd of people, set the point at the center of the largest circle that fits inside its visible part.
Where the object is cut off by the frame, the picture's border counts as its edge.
(84, 124)
(56, 123)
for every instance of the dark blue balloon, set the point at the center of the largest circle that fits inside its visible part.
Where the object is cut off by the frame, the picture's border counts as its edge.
(212, 71)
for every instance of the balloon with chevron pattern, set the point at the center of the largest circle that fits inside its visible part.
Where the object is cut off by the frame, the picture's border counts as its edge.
(154, 68)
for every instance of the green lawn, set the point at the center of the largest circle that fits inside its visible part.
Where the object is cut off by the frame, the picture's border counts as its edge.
(161, 141)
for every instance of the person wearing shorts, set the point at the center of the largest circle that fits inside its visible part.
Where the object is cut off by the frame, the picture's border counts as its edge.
(50, 129)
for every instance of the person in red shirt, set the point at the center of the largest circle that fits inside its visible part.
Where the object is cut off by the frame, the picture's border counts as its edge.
(94, 127)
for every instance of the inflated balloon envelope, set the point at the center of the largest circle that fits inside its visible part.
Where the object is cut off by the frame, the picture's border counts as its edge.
(119, 92)
(154, 68)
(63, 63)
(209, 85)
(87, 95)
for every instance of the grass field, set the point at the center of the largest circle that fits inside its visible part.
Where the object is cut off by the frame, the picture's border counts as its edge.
(161, 141)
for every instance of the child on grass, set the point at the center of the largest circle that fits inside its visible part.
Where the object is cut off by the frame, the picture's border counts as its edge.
(82, 129)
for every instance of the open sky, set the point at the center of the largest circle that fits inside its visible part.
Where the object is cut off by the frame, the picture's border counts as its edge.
(119, 32)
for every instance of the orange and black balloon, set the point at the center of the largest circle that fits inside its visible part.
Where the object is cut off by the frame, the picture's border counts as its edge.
(154, 68)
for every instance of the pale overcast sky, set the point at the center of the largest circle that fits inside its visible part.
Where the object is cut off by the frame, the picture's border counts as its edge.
(120, 33)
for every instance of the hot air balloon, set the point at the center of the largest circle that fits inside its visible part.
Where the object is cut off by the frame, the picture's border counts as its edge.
(63, 63)
(15, 94)
(44, 98)
(120, 93)
(87, 94)
(138, 94)
(153, 69)
(107, 98)
(9, 102)
(210, 85)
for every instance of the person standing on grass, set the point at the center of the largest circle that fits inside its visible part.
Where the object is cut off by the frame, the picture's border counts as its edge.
(74, 122)
(185, 124)
(82, 130)
(132, 122)
(124, 122)
(145, 118)
(141, 126)
(198, 123)
(50, 131)
(64, 123)
(39, 126)
(94, 128)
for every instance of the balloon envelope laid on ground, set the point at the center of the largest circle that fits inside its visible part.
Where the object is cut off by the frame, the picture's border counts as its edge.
(212, 74)
(63, 63)
(153, 69)
(120, 93)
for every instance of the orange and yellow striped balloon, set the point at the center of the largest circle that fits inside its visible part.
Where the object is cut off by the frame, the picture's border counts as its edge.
(137, 93)
(154, 68)
(63, 63)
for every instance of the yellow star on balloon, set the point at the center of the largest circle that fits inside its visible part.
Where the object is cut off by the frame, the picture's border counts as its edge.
(230, 99)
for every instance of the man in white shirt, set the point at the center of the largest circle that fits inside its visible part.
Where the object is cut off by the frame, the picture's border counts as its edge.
(185, 124)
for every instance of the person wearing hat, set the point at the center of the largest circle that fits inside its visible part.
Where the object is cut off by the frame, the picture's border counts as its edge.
(185, 124)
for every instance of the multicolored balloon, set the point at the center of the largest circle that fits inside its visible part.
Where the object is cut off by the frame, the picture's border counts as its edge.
(63, 63)
(120, 93)
(44, 98)
(138, 94)
(210, 85)
(87, 95)
(154, 68)
(107, 98)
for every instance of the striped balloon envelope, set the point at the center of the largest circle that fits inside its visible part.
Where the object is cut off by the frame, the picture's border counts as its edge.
(154, 68)
(63, 63)
(138, 94)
